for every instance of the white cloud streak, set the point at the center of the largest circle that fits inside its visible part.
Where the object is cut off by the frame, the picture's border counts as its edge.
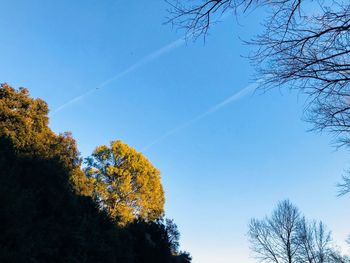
(149, 58)
(235, 97)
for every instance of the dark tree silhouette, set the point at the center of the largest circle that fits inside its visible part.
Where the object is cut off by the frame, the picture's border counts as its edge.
(174, 235)
(46, 214)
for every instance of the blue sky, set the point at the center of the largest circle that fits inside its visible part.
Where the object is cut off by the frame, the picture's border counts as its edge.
(219, 170)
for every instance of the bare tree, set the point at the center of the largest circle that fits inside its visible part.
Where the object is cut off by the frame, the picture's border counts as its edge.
(338, 258)
(197, 18)
(287, 237)
(304, 45)
(314, 242)
(275, 239)
(344, 187)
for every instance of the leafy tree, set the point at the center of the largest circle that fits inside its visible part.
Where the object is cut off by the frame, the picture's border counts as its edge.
(287, 237)
(126, 184)
(153, 242)
(42, 217)
(182, 257)
(24, 121)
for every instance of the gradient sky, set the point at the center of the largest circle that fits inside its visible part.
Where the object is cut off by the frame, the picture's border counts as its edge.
(223, 159)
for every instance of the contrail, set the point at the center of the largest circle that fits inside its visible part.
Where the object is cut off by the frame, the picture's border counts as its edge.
(237, 96)
(156, 54)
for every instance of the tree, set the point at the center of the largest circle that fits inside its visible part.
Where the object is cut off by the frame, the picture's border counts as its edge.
(44, 219)
(314, 241)
(274, 239)
(126, 184)
(183, 257)
(344, 187)
(304, 45)
(287, 237)
(24, 121)
(173, 236)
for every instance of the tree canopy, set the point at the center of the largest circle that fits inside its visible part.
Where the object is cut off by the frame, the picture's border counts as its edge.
(126, 184)
(24, 121)
(46, 210)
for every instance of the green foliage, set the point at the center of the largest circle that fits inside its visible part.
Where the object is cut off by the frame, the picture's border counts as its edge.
(126, 184)
(41, 218)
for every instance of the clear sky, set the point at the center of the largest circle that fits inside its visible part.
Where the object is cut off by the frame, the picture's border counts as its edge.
(225, 154)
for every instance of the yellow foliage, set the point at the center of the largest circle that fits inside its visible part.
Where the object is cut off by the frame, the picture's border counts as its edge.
(24, 121)
(126, 184)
